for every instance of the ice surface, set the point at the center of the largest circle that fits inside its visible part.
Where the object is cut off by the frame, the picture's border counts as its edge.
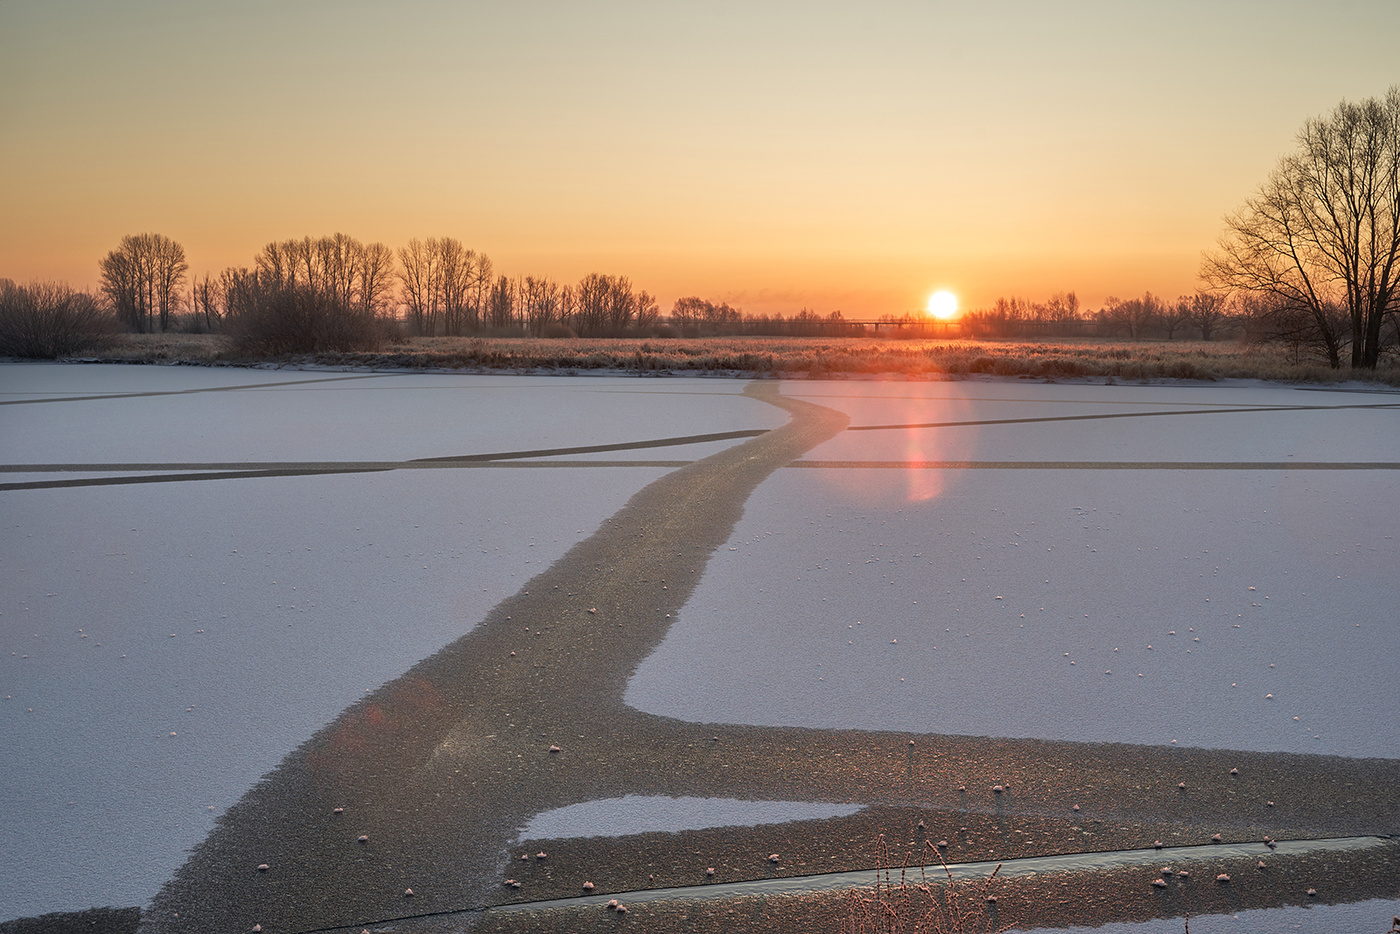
(267, 606)
(614, 817)
(243, 615)
(1371, 915)
(1022, 603)
(43, 380)
(312, 590)
(326, 416)
(1212, 435)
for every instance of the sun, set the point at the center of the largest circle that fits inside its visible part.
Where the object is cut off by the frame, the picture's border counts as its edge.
(943, 305)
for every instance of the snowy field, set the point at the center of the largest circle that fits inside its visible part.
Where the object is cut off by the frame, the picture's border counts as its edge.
(164, 644)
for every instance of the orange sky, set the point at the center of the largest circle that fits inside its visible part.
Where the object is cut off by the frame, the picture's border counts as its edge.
(774, 155)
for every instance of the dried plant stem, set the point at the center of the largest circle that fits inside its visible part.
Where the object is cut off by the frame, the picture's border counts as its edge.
(926, 907)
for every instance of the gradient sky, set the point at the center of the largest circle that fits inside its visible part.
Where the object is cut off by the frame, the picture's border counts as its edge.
(771, 154)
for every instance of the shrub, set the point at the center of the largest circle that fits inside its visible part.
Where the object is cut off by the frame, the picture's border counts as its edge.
(557, 330)
(47, 320)
(274, 319)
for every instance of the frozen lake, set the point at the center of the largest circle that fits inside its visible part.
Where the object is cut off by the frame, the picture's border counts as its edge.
(165, 644)
(1140, 577)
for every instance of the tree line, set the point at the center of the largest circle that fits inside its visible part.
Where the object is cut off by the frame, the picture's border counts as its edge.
(1312, 259)
(1203, 315)
(336, 286)
(437, 286)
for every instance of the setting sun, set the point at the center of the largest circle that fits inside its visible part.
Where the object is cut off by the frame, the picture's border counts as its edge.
(943, 305)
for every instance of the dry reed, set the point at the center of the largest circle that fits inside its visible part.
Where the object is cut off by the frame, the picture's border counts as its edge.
(798, 357)
(925, 907)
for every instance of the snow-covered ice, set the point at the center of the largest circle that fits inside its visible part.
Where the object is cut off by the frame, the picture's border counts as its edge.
(243, 615)
(1236, 609)
(327, 416)
(1370, 915)
(615, 817)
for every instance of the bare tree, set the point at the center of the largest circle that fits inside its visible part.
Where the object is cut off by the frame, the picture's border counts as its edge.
(1209, 310)
(1252, 315)
(500, 304)
(421, 276)
(338, 258)
(121, 285)
(1174, 315)
(445, 284)
(694, 315)
(1006, 318)
(238, 287)
(688, 312)
(376, 287)
(1134, 314)
(648, 312)
(206, 302)
(568, 305)
(142, 279)
(1009, 315)
(539, 303)
(621, 304)
(482, 275)
(339, 268)
(1324, 230)
(303, 296)
(455, 264)
(1062, 309)
(591, 296)
(277, 262)
(50, 320)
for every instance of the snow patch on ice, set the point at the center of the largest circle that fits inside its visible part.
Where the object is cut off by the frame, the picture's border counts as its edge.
(615, 817)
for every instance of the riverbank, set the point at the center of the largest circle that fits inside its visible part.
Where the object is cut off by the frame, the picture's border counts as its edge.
(813, 357)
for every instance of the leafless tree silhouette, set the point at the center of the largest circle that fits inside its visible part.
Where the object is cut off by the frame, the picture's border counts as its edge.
(1174, 315)
(444, 285)
(49, 319)
(539, 303)
(1134, 314)
(1323, 233)
(206, 303)
(500, 304)
(421, 277)
(1208, 311)
(142, 279)
(309, 295)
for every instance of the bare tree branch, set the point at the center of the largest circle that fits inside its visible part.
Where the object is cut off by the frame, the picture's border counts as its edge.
(1321, 239)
